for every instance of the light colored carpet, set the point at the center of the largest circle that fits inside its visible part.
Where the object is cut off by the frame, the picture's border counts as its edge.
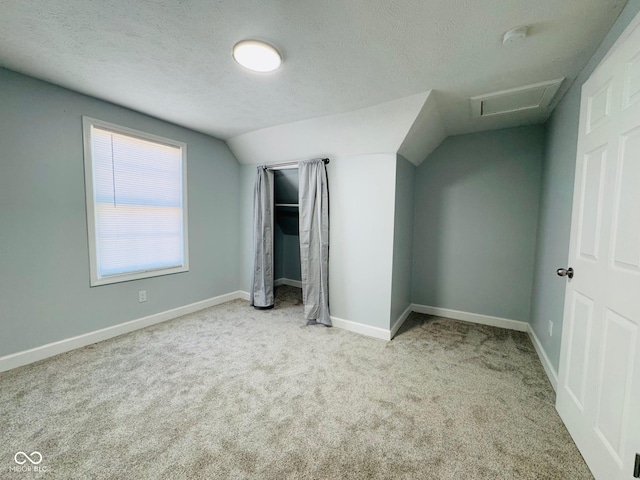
(231, 392)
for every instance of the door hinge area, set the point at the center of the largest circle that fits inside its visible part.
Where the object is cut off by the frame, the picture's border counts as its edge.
(636, 469)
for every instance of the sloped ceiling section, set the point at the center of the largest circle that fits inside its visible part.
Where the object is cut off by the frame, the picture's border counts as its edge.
(426, 133)
(410, 126)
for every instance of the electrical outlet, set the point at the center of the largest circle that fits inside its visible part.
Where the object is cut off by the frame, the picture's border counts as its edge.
(550, 328)
(142, 296)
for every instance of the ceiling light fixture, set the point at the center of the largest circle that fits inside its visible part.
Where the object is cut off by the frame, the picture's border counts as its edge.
(257, 56)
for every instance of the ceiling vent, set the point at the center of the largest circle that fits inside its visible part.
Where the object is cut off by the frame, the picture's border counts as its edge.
(530, 97)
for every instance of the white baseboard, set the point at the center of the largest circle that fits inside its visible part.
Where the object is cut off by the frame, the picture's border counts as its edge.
(544, 359)
(473, 317)
(19, 359)
(287, 281)
(384, 334)
(400, 321)
(49, 350)
(361, 328)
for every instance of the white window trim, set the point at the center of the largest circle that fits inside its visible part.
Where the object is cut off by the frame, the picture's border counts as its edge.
(87, 123)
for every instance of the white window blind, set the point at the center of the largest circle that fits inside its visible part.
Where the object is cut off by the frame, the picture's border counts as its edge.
(138, 204)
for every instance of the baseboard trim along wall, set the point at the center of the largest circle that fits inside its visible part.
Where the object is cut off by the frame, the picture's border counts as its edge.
(19, 359)
(361, 328)
(287, 281)
(401, 319)
(473, 317)
(544, 359)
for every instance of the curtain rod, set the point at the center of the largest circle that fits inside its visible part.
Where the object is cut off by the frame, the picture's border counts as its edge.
(282, 166)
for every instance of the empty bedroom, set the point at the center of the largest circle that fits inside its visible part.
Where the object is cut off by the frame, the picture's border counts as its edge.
(321, 240)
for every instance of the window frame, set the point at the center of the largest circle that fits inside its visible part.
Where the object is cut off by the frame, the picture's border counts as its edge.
(95, 280)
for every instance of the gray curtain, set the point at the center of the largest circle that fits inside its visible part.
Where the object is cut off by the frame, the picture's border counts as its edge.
(313, 199)
(262, 285)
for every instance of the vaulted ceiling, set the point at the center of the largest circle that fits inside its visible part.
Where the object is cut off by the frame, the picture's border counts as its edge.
(172, 59)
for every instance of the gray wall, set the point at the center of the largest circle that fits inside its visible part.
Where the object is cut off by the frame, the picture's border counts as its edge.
(291, 258)
(402, 238)
(278, 252)
(44, 260)
(556, 200)
(476, 210)
(362, 197)
(285, 184)
(286, 255)
(247, 184)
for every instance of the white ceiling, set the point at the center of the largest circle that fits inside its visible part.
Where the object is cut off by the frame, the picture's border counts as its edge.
(172, 59)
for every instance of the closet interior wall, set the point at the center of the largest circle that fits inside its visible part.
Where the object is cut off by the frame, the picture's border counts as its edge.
(286, 234)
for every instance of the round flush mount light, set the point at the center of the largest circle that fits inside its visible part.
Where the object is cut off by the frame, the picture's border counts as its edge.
(257, 56)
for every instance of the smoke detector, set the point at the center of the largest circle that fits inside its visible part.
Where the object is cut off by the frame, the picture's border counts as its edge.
(514, 34)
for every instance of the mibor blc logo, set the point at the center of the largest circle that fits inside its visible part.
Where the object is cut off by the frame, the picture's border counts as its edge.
(28, 463)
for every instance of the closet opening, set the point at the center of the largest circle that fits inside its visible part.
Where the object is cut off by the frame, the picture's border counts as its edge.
(291, 235)
(286, 241)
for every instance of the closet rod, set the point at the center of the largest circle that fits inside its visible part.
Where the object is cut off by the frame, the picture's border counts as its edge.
(283, 166)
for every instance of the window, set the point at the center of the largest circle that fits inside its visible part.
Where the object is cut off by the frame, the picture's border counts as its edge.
(136, 203)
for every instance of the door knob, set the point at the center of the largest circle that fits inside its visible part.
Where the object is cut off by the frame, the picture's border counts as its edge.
(565, 272)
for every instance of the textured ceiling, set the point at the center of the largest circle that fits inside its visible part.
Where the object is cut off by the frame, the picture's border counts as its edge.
(172, 59)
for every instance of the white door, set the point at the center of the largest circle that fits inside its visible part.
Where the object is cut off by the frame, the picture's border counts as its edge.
(598, 394)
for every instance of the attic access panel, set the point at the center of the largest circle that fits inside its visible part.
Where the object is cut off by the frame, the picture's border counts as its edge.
(537, 96)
